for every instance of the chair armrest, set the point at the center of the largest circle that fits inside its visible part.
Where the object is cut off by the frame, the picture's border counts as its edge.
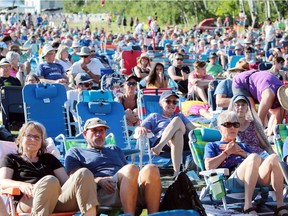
(11, 191)
(223, 171)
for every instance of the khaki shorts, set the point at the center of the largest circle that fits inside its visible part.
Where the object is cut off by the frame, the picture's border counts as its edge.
(113, 199)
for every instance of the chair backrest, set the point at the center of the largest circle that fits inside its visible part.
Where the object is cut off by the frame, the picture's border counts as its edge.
(112, 112)
(234, 60)
(113, 82)
(45, 103)
(280, 133)
(96, 95)
(148, 102)
(265, 66)
(130, 59)
(197, 141)
(211, 97)
(12, 106)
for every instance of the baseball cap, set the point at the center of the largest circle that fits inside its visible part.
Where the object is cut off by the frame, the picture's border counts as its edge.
(95, 122)
(82, 78)
(4, 61)
(167, 94)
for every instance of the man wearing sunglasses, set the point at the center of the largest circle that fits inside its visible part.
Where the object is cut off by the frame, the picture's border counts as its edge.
(248, 168)
(179, 73)
(88, 65)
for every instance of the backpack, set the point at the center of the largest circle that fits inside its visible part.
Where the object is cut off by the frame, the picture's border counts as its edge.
(181, 194)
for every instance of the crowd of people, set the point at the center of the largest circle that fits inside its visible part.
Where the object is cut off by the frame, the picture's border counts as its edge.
(73, 57)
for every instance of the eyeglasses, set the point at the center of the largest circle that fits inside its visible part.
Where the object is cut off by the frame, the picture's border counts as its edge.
(31, 136)
(85, 84)
(230, 124)
(179, 59)
(171, 101)
(131, 83)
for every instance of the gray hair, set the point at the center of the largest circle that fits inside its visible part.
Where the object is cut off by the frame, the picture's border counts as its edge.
(227, 116)
(11, 55)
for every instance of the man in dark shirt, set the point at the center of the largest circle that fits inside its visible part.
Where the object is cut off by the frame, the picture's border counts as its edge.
(5, 78)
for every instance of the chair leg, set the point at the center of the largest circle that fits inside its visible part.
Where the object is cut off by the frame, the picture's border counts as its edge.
(224, 203)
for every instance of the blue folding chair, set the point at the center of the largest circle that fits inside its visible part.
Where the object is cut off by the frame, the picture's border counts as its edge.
(44, 103)
(234, 60)
(113, 113)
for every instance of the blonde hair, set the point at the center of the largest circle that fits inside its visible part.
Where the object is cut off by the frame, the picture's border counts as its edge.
(28, 127)
(62, 48)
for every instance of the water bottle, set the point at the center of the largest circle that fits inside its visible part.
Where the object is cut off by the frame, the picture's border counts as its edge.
(216, 186)
(110, 139)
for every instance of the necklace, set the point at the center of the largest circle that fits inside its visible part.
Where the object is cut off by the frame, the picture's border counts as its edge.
(30, 162)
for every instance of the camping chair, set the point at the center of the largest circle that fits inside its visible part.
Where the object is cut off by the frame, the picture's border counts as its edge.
(12, 107)
(211, 97)
(148, 102)
(113, 82)
(198, 138)
(45, 103)
(280, 134)
(113, 113)
(234, 60)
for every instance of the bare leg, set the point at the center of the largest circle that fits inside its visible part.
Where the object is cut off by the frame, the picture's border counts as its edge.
(175, 125)
(270, 171)
(246, 173)
(91, 212)
(267, 101)
(176, 145)
(150, 180)
(3, 211)
(128, 185)
(201, 93)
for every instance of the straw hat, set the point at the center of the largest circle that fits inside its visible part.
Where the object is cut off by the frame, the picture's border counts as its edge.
(143, 55)
(240, 66)
(282, 95)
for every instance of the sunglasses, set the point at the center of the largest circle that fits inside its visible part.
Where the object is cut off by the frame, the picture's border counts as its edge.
(86, 84)
(171, 101)
(131, 83)
(248, 52)
(230, 124)
(179, 59)
(85, 56)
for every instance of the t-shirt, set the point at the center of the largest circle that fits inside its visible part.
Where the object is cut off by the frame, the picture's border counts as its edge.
(256, 82)
(101, 162)
(213, 70)
(9, 81)
(26, 172)
(157, 123)
(225, 88)
(51, 71)
(212, 150)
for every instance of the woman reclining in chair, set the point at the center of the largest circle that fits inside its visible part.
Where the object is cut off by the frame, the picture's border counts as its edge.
(39, 176)
(239, 158)
(168, 128)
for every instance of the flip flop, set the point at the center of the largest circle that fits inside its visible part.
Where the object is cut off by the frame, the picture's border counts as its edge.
(277, 211)
(250, 210)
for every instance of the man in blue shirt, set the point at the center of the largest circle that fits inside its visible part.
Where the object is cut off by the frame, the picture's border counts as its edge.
(49, 71)
(118, 183)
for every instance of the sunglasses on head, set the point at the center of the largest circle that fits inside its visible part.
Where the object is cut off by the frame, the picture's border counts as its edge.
(230, 124)
(131, 83)
(171, 101)
(86, 84)
(179, 59)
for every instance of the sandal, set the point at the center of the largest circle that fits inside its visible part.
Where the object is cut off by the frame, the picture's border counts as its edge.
(250, 210)
(277, 211)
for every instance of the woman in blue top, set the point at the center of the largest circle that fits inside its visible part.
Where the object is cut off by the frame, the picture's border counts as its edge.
(168, 129)
(249, 168)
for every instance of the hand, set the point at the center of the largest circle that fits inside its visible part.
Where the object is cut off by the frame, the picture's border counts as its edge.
(26, 189)
(184, 75)
(84, 66)
(62, 81)
(232, 148)
(108, 184)
(141, 131)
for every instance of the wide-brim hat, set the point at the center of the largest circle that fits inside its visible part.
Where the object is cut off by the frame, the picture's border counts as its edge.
(82, 78)
(144, 55)
(85, 51)
(95, 122)
(242, 66)
(282, 95)
(47, 48)
(4, 61)
(75, 44)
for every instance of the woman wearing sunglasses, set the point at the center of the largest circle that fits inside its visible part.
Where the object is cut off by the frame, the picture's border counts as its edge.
(248, 169)
(251, 130)
(169, 129)
(129, 101)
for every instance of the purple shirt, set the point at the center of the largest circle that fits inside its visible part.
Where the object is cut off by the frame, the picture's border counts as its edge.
(255, 82)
